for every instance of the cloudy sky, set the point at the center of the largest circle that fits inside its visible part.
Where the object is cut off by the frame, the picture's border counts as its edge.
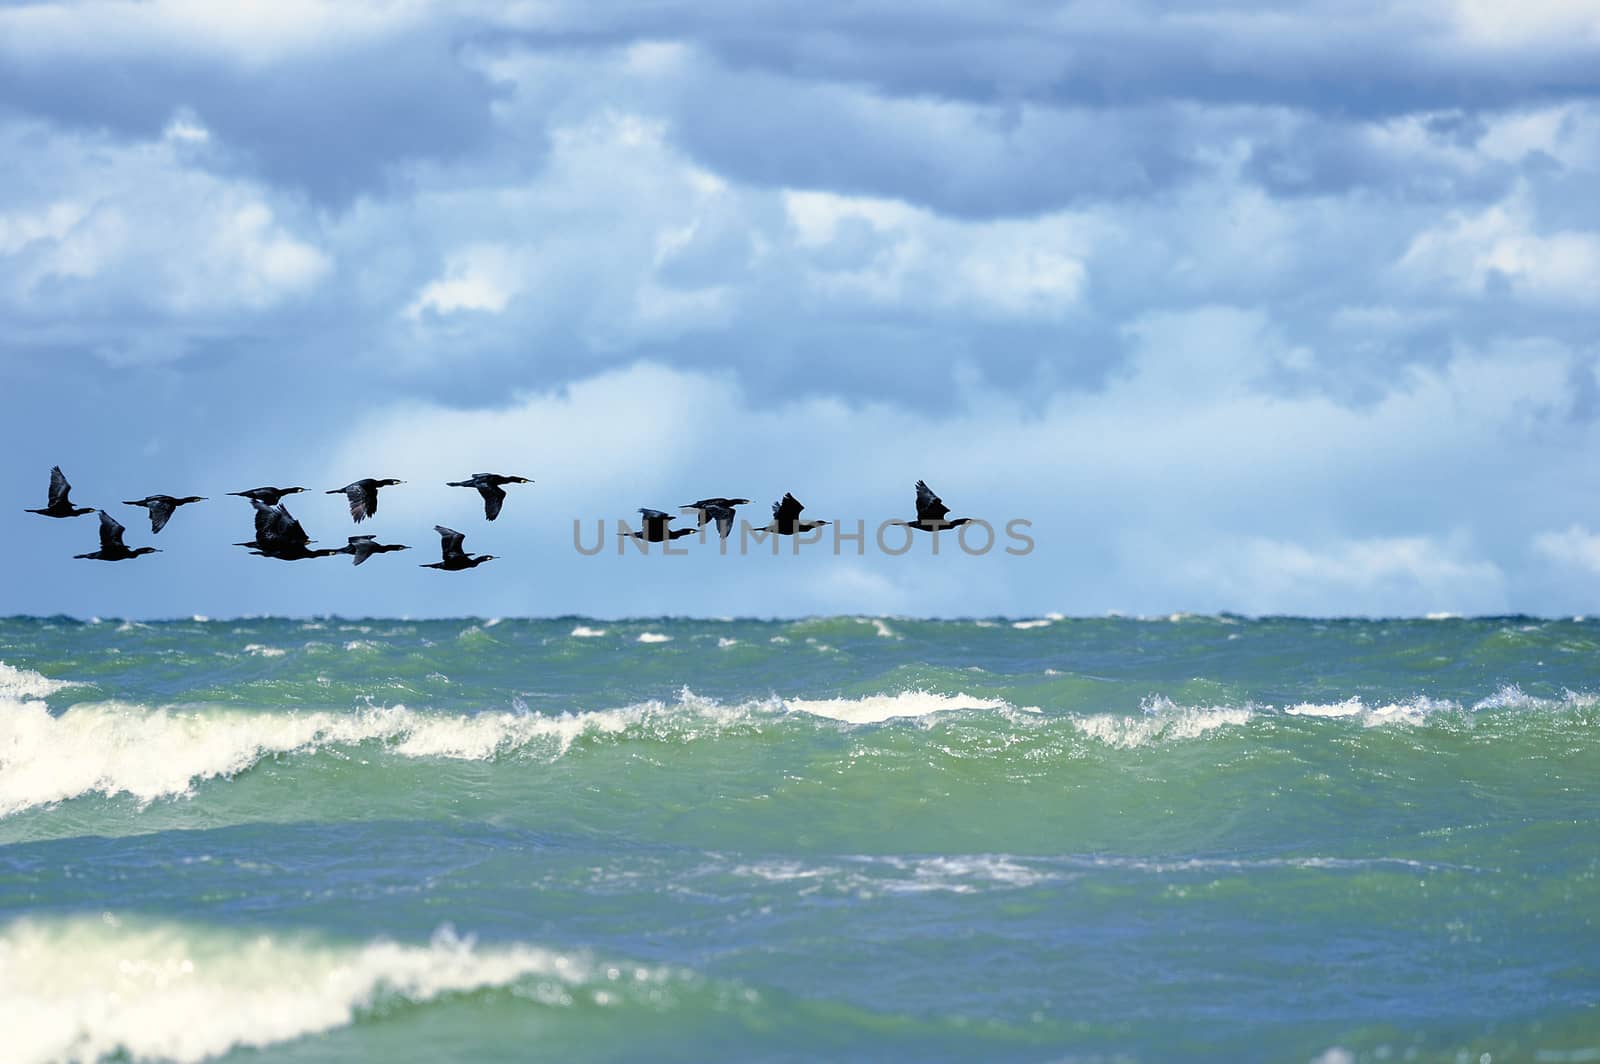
(1258, 307)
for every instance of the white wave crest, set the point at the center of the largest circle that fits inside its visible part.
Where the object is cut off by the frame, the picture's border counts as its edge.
(84, 989)
(583, 631)
(1411, 711)
(1161, 720)
(25, 683)
(653, 637)
(117, 748)
(875, 709)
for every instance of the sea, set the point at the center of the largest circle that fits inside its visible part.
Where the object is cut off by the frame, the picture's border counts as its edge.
(844, 839)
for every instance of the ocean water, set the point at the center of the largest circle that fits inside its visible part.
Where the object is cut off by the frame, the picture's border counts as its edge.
(1188, 838)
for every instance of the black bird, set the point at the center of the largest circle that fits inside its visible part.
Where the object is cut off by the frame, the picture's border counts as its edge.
(489, 486)
(363, 495)
(279, 535)
(655, 528)
(931, 512)
(364, 547)
(270, 496)
(786, 517)
(161, 507)
(454, 557)
(716, 509)
(60, 505)
(111, 545)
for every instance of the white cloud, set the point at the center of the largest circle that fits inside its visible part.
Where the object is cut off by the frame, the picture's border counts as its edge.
(1395, 575)
(249, 31)
(134, 225)
(1575, 546)
(483, 277)
(1469, 252)
(1493, 24)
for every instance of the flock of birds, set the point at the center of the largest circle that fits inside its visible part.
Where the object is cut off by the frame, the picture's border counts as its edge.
(279, 535)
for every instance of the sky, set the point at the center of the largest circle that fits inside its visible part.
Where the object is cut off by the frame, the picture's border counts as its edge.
(1267, 308)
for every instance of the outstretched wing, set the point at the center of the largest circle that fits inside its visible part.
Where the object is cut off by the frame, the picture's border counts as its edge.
(655, 515)
(110, 533)
(160, 512)
(363, 500)
(722, 515)
(494, 497)
(450, 540)
(58, 487)
(929, 506)
(787, 508)
(277, 527)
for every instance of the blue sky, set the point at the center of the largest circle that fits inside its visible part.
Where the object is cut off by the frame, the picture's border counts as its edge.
(1258, 307)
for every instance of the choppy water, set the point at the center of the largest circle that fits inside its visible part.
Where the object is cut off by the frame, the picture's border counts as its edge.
(1115, 839)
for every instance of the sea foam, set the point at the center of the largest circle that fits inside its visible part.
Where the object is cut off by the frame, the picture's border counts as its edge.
(88, 988)
(25, 683)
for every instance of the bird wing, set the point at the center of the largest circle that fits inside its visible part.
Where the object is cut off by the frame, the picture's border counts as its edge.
(264, 517)
(722, 515)
(450, 540)
(655, 515)
(160, 512)
(361, 539)
(276, 526)
(494, 497)
(364, 502)
(294, 532)
(929, 506)
(110, 533)
(788, 508)
(58, 487)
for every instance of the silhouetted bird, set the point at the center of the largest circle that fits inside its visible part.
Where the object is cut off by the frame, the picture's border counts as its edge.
(161, 507)
(716, 509)
(454, 557)
(364, 547)
(786, 517)
(60, 505)
(111, 546)
(931, 512)
(363, 495)
(655, 528)
(489, 486)
(270, 496)
(279, 535)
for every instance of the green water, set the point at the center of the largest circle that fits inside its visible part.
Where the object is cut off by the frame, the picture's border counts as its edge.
(843, 838)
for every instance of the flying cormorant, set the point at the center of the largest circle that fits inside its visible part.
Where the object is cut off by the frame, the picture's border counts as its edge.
(279, 535)
(60, 505)
(364, 547)
(270, 496)
(931, 512)
(161, 507)
(111, 545)
(655, 528)
(716, 509)
(786, 517)
(454, 557)
(489, 486)
(363, 496)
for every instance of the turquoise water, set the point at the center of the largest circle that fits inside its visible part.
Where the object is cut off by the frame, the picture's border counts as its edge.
(850, 839)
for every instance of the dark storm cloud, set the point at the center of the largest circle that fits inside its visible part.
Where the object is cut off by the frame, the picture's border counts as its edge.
(334, 123)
